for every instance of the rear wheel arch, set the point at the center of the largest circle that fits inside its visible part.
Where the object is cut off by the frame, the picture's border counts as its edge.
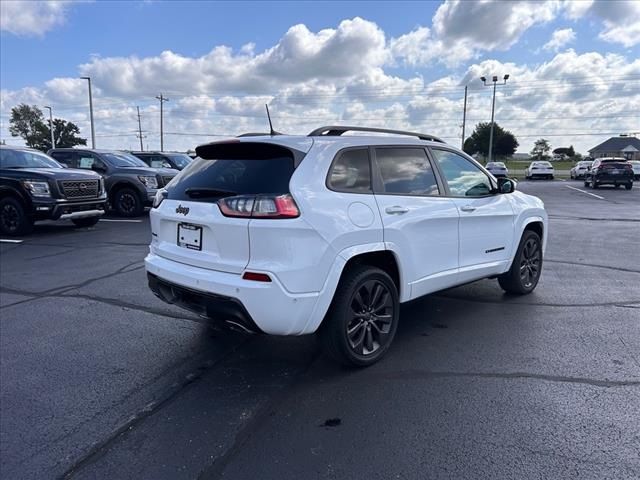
(385, 260)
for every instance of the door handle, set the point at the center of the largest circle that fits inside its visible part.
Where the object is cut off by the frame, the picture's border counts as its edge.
(396, 210)
(468, 208)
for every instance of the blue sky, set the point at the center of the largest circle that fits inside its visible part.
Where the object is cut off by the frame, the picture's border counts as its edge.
(392, 47)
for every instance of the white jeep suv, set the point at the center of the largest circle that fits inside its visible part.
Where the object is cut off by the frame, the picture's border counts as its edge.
(289, 235)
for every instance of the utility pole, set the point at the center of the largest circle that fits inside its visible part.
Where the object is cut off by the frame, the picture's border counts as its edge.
(493, 106)
(93, 130)
(162, 100)
(464, 116)
(139, 129)
(53, 140)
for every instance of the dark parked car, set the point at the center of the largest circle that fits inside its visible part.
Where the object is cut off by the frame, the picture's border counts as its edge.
(164, 159)
(131, 185)
(34, 187)
(609, 171)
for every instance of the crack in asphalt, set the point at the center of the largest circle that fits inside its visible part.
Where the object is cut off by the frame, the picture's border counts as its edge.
(215, 469)
(427, 374)
(592, 219)
(619, 303)
(65, 288)
(107, 301)
(608, 267)
(101, 448)
(68, 250)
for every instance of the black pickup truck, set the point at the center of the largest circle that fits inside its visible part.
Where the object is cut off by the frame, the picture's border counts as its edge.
(33, 187)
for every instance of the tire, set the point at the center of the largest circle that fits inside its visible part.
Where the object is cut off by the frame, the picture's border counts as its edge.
(629, 186)
(86, 222)
(13, 217)
(351, 326)
(586, 183)
(594, 184)
(522, 278)
(128, 203)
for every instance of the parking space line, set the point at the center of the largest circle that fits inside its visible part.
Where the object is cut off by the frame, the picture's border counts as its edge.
(8, 240)
(582, 191)
(119, 220)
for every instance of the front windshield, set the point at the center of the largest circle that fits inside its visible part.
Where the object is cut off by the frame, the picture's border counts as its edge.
(26, 159)
(180, 159)
(123, 159)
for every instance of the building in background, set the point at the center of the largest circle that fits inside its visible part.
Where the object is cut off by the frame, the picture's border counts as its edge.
(622, 146)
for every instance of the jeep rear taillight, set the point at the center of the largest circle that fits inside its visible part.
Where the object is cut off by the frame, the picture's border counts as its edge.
(259, 206)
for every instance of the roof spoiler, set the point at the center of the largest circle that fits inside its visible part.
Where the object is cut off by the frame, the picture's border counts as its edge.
(336, 131)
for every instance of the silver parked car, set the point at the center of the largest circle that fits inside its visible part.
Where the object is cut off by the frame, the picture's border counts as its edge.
(580, 169)
(498, 169)
(635, 164)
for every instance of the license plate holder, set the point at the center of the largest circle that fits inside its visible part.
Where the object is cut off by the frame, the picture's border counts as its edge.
(189, 236)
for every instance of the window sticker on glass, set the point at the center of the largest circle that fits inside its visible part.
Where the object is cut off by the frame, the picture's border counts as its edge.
(86, 162)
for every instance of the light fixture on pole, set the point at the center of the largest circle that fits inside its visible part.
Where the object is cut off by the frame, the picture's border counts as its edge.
(93, 131)
(53, 140)
(493, 106)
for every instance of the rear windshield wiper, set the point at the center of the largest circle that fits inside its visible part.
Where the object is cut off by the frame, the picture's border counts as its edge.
(204, 192)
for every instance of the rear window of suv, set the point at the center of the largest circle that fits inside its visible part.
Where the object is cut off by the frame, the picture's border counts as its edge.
(243, 170)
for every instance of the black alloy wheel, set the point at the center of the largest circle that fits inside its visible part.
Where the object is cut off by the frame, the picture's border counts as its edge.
(127, 203)
(363, 317)
(13, 218)
(530, 262)
(524, 274)
(371, 316)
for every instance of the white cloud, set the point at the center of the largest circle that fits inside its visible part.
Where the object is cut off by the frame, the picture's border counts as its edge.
(559, 39)
(355, 46)
(32, 18)
(620, 18)
(490, 24)
(341, 75)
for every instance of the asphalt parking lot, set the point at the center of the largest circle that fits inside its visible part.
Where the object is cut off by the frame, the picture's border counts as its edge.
(99, 379)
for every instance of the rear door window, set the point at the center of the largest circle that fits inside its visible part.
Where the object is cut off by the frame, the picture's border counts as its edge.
(235, 171)
(406, 171)
(351, 172)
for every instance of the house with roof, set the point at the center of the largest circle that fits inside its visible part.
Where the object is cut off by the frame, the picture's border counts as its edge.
(622, 146)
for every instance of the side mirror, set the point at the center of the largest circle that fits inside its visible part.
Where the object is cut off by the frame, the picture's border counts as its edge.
(506, 185)
(98, 168)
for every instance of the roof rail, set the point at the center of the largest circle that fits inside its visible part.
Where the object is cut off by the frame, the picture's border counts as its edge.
(336, 131)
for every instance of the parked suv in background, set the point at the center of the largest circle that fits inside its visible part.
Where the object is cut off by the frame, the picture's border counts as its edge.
(289, 235)
(131, 185)
(609, 171)
(177, 161)
(35, 187)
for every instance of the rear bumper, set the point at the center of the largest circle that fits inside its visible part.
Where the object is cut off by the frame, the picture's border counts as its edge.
(614, 179)
(227, 309)
(263, 307)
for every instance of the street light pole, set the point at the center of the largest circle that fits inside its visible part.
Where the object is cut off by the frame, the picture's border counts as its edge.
(493, 106)
(53, 140)
(162, 100)
(93, 131)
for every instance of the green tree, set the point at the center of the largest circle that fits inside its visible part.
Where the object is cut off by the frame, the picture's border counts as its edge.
(541, 148)
(504, 142)
(28, 122)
